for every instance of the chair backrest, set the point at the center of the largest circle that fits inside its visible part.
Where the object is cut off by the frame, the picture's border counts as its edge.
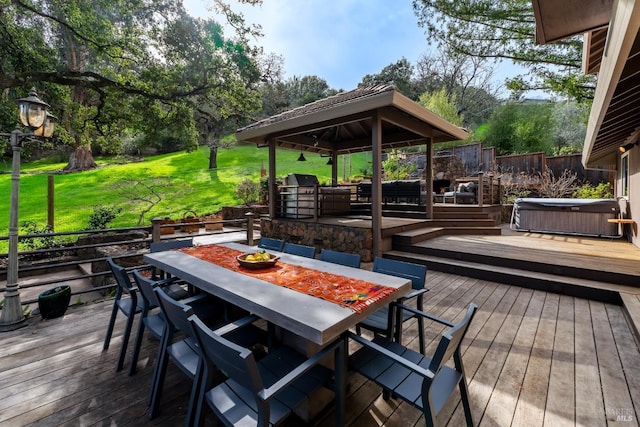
(237, 362)
(302, 250)
(170, 244)
(408, 270)
(176, 313)
(451, 340)
(343, 258)
(146, 285)
(271, 244)
(121, 276)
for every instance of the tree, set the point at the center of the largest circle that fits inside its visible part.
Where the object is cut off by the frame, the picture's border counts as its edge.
(399, 74)
(303, 90)
(520, 128)
(441, 104)
(505, 30)
(569, 123)
(110, 67)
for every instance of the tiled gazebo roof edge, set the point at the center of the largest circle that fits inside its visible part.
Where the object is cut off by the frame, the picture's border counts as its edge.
(322, 104)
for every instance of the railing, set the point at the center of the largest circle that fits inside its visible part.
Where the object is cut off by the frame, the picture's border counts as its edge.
(94, 246)
(313, 202)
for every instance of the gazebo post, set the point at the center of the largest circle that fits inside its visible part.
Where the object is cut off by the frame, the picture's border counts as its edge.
(273, 188)
(376, 184)
(429, 176)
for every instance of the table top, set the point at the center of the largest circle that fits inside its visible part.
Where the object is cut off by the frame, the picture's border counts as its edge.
(313, 318)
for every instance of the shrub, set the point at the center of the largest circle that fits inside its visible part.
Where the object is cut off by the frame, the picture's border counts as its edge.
(248, 192)
(102, 216)
(264, 189)
(587, 191)
(35, 243)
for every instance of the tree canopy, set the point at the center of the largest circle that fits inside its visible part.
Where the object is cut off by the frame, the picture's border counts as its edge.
(143, 67)
(505, 30)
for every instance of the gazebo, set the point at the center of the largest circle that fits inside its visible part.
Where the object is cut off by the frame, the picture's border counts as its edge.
(373, 118)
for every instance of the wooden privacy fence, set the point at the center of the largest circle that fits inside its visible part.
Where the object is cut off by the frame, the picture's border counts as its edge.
(522, 167)
(86, 258)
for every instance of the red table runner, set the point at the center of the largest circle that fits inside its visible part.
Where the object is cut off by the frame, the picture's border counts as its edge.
(346, 291)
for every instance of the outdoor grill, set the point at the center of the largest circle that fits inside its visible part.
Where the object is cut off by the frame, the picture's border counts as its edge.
(298, 199)
(297, 195)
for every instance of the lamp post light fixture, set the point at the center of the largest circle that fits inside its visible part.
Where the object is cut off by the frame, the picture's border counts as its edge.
(34, 116)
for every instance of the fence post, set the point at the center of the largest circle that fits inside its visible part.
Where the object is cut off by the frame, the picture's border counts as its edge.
(480, 188)
(50, 202)
(155, 229)
(250, 216)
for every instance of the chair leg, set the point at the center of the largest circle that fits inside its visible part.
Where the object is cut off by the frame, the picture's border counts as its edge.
(358, 330)
(136, 348)
(421, 333)
(125, 341)
(112, 322)
(464, 393)
(193, 413)
(158, 379)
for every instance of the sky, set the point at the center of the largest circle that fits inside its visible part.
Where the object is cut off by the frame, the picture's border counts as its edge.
(340, 41)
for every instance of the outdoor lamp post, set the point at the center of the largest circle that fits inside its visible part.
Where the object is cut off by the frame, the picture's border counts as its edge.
(34, 116)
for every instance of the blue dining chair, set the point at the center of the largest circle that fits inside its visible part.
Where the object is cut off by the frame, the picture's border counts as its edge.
(381, 322)
(271, 244)
(301, 250)
(184, 352)
(128, 306)
(151, 317)
(343, 258)
(262, 392)
(168, 245)
(426, 382)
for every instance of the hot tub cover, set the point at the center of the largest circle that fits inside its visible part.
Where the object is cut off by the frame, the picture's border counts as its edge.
(590, 205)
(587, 217)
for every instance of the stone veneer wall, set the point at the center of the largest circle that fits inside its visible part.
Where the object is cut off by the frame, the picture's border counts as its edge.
(336, 237)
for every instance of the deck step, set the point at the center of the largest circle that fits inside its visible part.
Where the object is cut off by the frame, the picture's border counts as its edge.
(419, 235)
(534, 267)
(631, 304)
(462, 222)
(412, 237)
(600, 291)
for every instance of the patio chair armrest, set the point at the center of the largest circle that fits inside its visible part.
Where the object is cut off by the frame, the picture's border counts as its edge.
(194, 298)
(423, 314)
(425, 373)
(414, 293)
(165, 282)
(234, 326)
(280, 385)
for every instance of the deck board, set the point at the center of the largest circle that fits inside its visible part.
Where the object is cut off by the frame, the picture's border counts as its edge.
(532, 358)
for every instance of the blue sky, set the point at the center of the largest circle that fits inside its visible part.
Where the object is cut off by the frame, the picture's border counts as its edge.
(338, 40)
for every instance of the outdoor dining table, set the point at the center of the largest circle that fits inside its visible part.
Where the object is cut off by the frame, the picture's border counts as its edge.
(308, 321)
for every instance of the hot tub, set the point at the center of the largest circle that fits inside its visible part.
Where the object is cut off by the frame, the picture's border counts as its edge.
(585, 217)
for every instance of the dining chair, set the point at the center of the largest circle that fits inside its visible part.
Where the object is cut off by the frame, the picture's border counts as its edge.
(385, 320)
(262, 392)
(152, 319)
(301, 250)
(128, 306)
(184, 352)
(168, 245)
(271, 244)
(343, 258)
(425, 382)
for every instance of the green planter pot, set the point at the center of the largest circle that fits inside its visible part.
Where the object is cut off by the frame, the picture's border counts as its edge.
(54, 302)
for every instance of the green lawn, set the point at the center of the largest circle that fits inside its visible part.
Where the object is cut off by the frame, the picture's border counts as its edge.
(192, 187)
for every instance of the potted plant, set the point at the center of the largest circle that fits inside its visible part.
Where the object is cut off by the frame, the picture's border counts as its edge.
(54, 302)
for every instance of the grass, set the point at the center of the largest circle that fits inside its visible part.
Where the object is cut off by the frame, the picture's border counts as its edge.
(191, 185)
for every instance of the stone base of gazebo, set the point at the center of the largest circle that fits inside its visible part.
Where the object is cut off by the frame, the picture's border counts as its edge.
(332, 235)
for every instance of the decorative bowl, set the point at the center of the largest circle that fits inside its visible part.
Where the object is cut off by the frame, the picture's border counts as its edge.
(256, 265)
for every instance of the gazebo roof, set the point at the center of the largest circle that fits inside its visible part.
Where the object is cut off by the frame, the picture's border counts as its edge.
(343, 123)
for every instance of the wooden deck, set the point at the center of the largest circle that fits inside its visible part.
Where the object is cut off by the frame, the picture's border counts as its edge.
(532, 358)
